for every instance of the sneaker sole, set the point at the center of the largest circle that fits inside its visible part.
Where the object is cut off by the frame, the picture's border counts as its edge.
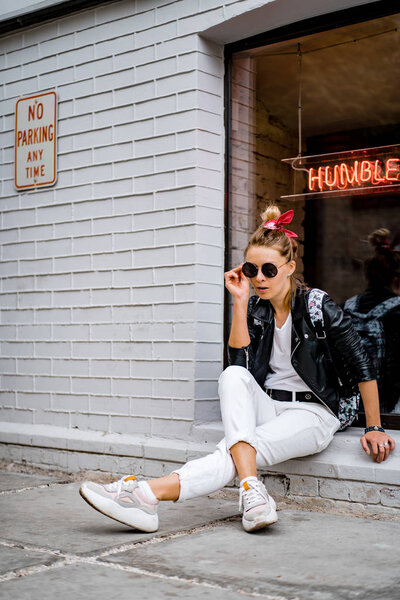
(262, 520)
(139, 520)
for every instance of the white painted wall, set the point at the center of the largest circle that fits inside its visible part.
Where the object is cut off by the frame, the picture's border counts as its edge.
(112, 283)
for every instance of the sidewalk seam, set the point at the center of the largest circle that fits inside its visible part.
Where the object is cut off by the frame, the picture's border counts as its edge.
(93, 560)
(33, 487)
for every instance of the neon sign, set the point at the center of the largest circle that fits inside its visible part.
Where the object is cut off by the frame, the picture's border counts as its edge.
(347, 173)
(344, 176)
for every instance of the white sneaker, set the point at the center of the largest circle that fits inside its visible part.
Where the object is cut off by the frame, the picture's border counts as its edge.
(123, 501)
(259, 508)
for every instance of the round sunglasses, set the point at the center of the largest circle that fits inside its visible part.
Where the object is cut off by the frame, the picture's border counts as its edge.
(267, 269)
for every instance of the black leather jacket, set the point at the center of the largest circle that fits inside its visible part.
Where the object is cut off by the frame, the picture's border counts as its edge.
(308, 355)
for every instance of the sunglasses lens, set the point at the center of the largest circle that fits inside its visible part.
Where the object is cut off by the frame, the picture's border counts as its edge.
(249, 270)
(269, 270)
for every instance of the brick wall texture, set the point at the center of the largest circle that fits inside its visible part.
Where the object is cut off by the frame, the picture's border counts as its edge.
(112, 287)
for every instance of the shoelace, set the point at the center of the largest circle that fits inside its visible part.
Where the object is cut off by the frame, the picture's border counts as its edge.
(251, 497)
(116, 486)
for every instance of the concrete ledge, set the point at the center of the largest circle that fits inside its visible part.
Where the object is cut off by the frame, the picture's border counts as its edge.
(77, 449)
(342, 477)
(342, 472)
(343, 459)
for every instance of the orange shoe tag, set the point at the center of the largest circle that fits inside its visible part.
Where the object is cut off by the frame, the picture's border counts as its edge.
(129, 478)
(246, 485)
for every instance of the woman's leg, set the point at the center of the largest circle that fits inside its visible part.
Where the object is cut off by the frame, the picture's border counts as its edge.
(244, 457)
(166, 488)
(135, 503)
(300, 429)
(243, 406)
(257, 430)
(207, 474)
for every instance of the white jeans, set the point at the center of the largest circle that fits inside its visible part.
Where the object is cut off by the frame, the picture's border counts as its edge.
(277, 430)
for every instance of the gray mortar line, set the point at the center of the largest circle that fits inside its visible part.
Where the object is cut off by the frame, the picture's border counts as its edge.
(33, 548)
(191, 581)
(165, 537)
(115, 549)
(33, 487)
(25, 571)
(73, 559)
(33, 570)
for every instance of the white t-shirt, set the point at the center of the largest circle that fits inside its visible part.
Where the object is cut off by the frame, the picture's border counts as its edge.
(281, 375)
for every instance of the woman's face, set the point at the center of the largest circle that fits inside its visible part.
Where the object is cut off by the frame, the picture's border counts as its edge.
(270, 288)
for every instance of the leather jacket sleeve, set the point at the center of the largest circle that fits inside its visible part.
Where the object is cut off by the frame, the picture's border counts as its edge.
(345, 341)
(244, 356)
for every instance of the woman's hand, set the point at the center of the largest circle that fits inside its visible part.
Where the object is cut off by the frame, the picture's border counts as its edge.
(381, 443)
(237, 283)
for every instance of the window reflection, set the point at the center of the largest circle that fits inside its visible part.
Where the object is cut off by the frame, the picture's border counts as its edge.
(341, 113)
(376, 315)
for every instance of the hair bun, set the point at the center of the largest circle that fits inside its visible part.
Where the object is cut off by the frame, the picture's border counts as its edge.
(271, 212)
(379, 239)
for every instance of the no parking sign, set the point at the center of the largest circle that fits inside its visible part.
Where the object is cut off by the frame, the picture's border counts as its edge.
(36, 141)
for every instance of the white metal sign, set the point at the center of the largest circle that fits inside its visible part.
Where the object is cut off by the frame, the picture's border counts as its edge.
(36, 141)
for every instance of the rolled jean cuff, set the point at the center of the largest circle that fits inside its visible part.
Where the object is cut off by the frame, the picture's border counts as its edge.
(247, 439)
(182, 486)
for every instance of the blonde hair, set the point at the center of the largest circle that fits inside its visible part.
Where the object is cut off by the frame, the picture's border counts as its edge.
(287, 246)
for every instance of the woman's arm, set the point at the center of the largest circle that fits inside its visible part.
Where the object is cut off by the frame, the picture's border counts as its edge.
(239, 335)
(369, 396)
(342, 334)
(238, 286)
(381, 443)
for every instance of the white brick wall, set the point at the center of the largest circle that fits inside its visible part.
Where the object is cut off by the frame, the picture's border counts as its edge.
(112, 286)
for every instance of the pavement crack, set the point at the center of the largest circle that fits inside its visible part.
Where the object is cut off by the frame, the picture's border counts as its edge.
(192, 581)
(33, 548)
(25, 571)
(73, 559)
(165, 537)
(33, 487)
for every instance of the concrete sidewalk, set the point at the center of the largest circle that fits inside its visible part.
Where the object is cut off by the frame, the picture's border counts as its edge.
(53, 545)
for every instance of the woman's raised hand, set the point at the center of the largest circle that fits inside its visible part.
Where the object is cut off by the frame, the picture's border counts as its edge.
(237, 283)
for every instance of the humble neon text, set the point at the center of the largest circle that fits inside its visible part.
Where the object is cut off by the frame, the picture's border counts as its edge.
(359, 173)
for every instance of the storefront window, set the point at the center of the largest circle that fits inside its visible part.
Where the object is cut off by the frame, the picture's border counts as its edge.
(323, 96)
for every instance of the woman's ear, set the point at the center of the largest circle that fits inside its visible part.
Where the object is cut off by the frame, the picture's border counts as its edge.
(292, 267)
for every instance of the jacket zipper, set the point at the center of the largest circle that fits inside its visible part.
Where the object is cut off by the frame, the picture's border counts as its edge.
(294, 349)
(246, 351)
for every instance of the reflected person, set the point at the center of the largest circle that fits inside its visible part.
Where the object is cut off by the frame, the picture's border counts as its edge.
(376, 316)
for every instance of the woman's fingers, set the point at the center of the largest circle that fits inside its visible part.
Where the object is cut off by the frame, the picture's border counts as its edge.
(389, 446)
(381, 444)
(387, 452)
(231, 276)
(234, 274)
(235, 278)
(365, 446)
(238, 269)
(381, 452)
(375, 450)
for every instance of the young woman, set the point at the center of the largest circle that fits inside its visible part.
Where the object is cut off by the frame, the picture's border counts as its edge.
(277, 396)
